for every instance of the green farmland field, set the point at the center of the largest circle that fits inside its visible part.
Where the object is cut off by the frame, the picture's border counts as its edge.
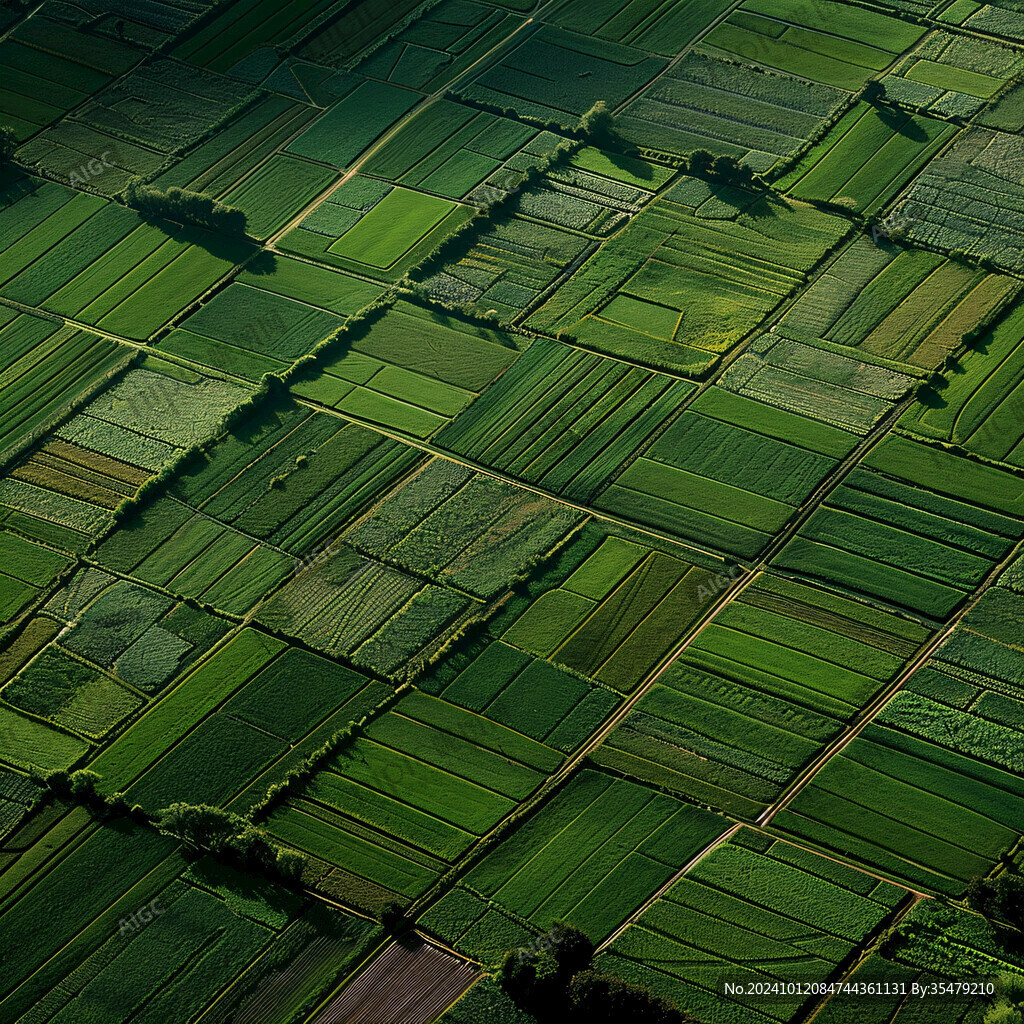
(512, 512)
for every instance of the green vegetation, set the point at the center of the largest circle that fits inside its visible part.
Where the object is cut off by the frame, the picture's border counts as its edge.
(511, 512)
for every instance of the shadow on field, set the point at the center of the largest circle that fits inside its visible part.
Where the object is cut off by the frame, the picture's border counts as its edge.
(897, 121)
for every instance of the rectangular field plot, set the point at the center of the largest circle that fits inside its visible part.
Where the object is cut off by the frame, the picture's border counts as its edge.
(42, 58)
(518, 691)
(675, 290)
(931, 791)
(440, 45)
(226, 39)
(449, 149)
(789, 36)
(663, 28)
(971, 198)
(866, 158)
(274, 312)
(980, 406)
(753, 910)
(704, 479)
(818, 380)
(913, 526)
(162, 939)
(147, 272)
(463, 529)
(529, 80)
(44, 368)
(564, 419)
(590, 856)
(952, 75)
(509, 266)
(393, 808)
(292, 478)
(371, 228)
(615, 618)
(905, 305)
(704, 102)
(758, 693)
(339, 136)
(413, 370)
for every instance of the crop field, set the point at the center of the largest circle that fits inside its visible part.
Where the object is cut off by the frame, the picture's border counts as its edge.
(970, 199)
(707, 102)
(754, 909)
(529, 79)
(374, 229)
(597, 850)
(415, 389)
(818, 380)
(931, 791)
(615, 617)
(789, 36)
(907, 306)
(445, 42)
(637, 297)
(979, 406)
(953, 74)
(758, 693)
(866, 158)
(683, 485)
(42, 58)
(914, 526)
(511, 512)
(144, 278)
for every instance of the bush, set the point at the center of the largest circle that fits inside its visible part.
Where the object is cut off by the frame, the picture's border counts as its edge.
(226, 836)
(602, 999)
(8, 144)
(186, 207)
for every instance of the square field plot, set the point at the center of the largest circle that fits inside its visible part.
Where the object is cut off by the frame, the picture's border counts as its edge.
(273, 313)
(758, 693)
(590, 856)
(373, 229)
(912, 526)
(752, 910)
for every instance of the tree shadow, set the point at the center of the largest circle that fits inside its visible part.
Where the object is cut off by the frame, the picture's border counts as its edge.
(902, 124)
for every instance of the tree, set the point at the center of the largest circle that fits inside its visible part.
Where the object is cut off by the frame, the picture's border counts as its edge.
(199, 825)
(603, 999)
(185, 206)
(701, 162)
(874, 92)
(8, 144)
(598, 123)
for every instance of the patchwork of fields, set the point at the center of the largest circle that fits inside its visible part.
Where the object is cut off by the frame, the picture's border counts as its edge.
(511, 512)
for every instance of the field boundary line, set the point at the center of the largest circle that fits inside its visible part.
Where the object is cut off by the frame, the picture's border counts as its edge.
(872, 711)
(550, 786)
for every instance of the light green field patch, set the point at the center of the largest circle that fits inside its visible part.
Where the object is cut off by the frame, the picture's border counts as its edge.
(392, 228)
(645, 317)
(928, 72)
(548, 621)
